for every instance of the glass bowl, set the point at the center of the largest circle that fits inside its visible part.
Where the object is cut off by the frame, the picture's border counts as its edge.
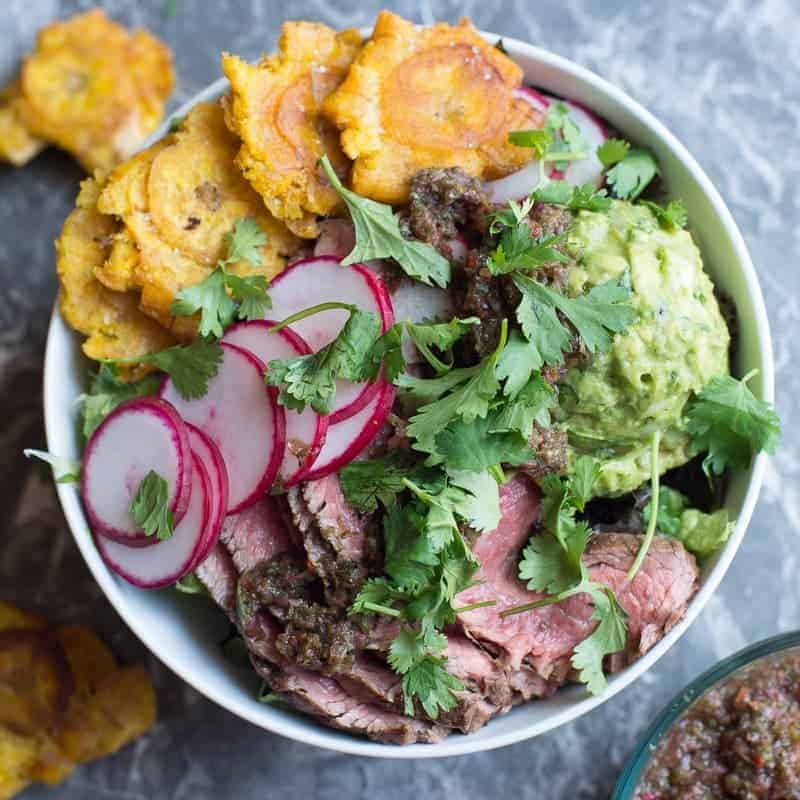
(638, 762)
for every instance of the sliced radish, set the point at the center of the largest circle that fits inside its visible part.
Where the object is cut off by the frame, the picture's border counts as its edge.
(167, 560)
(594, 130)
(141, 435)
(204, 449)
(319, 280)
(305, 431)
(242, 417)
(539, 101)
(348, 438)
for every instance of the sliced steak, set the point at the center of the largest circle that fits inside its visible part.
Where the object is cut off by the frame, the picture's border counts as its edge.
(256, 534)
(339, 545)
(218, 574)
(324, 699)
(546, 637)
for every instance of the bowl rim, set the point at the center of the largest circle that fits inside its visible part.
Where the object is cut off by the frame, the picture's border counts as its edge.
(627, 784)
(275, 721)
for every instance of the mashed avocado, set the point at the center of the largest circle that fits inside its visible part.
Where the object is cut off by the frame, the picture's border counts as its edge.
(611, 407)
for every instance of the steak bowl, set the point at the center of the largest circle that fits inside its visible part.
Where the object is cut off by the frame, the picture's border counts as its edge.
(185, 634)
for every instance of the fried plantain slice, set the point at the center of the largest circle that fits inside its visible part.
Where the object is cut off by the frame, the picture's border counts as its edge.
(18, 754)
(95, 89)
(13, 617)
(111, 320)
(273, 108)
(178, 201)
(17, 144)
(438, 96)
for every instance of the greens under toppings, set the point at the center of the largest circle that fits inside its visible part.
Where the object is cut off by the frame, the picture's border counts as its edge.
(150, 507)
(378, 235)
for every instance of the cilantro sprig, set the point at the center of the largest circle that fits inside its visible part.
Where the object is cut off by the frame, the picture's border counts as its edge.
(729, 422)
(150, 507)
(629, 170)
(378, 235)
(65, 470)
(222, 296)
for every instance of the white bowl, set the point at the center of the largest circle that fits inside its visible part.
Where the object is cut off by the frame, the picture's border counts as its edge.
(184, 632)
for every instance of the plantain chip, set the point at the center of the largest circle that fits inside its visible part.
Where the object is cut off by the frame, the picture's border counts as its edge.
(178, 201)
(438, 96)
(111, 320)
(13, 617)
(18, 756)
(95, 89)
(273, 108)
(17, 144)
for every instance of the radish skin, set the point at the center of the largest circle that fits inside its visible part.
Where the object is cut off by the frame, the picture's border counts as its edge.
(241, 415)
(140, 435)
(209, 455)
(167, 560)
(305, 430)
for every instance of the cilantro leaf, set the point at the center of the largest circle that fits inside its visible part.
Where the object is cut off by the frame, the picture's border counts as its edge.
(65, 470)
(372, 481)
(405, 651)
(568, 143)
(439, 335)
(106, 392)
(518, 364)
(311, 379)
(539, 140)
(479, 505)
(671, 505)
(481, 444)
(250, 292)
(732, 424)
(595, 315)
(631, 176)
(576, 198)
(191, 584)
(150, 506)
(191, 366)
(544, 566)
(244, 242)
(671, 216)
(581, 481)
(609, 637)
(519, 250)
(612, 151)
(210, 298)
(378, 235)
(388, 352)
(530, 405)
(430, 683)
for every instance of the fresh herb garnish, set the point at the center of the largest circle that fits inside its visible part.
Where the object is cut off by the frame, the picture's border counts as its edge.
(732, 424)
(175, 123)
(655, 476)
(441, 336)
(671, 504)
(222, 297)
(567, 141)
(670, 217)
(368, 482)
(628, 171)
(107, 391)
(191, 584)
(65, 470)
(577, 198)
(150, 507)
(378, 235)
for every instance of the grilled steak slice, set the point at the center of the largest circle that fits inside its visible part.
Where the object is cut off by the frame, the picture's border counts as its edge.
(327, 701)
(336, 538)
(546, 637)
(218, 574)
(256, 534)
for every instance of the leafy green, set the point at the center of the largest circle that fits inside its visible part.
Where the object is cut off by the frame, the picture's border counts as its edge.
(612, 151)
(371, 481)
(190, 366)
(567, 141)
(311, 379)
(191, 584)
(629, 175)
(432, 684)
(150, 506)
(577, 198)
(539, 140)
(670, 217)
(106, 392)
(65, 470)
(732, 424)
(439, 335)
(378, 235)
(387, 352)
(528, 406)
(655, 491)
(222, 297)
(671, 504)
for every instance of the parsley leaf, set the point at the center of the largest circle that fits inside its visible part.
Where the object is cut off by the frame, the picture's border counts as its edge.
(106, 392)
(631, 176)
(190, 366)
(65, 470)
(378, 235)
(732, 424)
(671, 216)
(311, 379)
(150, 506)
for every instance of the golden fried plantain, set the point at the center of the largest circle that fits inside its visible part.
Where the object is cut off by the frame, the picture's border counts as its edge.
(273, 109)
(178, 200)
(111, 320)
(17, 144)
(95, 89)
(18, 755)
(437, 96)
(13, 617)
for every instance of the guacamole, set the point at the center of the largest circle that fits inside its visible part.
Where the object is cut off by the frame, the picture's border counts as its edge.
(679, 342)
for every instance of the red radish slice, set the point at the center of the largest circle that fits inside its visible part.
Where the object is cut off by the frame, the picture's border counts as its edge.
(539, 101)
(348, 438)
(141, 435)
(242, 417)
(167, 560)
(320, 280)
(594, 130)
(208, 453)
(305, 431)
